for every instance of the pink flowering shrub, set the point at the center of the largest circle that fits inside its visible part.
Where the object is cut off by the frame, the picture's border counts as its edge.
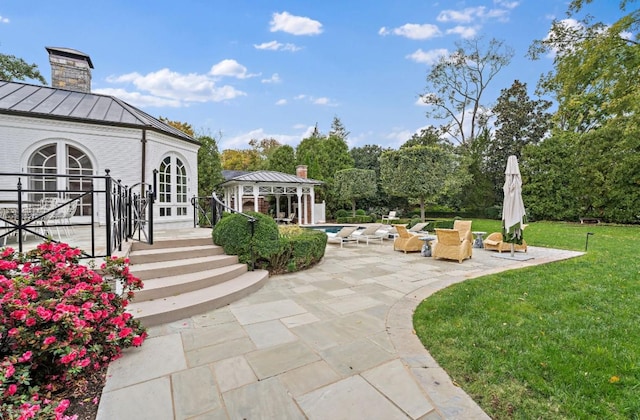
(58, 321)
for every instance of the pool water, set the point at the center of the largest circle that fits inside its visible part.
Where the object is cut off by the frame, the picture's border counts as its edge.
(327, 229)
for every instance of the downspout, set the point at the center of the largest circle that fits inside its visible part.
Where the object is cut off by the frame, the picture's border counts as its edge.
(143, 165)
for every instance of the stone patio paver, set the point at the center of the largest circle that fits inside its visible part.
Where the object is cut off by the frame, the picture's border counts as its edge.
(326, 343)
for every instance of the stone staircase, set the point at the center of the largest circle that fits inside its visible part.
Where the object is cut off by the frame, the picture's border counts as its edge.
(185, 277)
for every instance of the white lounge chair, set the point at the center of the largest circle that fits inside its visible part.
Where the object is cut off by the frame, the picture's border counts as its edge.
(371, 233)
(390, 217)
(344, 236)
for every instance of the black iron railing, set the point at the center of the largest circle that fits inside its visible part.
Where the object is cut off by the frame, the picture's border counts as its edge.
(38, 207)
(207, 211)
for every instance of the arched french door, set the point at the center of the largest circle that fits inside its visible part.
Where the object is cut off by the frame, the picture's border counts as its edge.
(57, 158)
(172, 187)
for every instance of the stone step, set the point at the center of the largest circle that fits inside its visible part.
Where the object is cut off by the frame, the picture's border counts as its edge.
(185, 266)
(184, 305)
(173, 243)
(151, 255)
(162, 287)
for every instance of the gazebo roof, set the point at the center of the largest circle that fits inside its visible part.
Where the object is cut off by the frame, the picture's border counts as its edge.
(273, 177)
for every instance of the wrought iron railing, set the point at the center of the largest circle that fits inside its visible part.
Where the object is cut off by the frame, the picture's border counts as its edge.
(47, 207)
(207, 211)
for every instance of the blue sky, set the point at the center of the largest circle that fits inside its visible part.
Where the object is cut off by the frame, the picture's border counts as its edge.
(261, 69)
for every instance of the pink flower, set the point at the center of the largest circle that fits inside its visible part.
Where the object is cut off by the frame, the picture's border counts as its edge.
(26, 356)
(9, 370)
(125, 332)
(30, 322)
(137, 341)
(12, 389)
(49, 340)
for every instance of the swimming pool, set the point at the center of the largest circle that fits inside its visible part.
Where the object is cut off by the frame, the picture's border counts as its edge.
(329, 229)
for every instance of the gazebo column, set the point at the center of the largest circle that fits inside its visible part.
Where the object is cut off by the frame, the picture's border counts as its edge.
(256, 194)
(312, 203)
(239, 200)
(288, 206)
(299, 193)
(277, 206)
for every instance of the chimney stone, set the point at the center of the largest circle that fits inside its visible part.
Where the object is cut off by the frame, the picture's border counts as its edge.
(70, 69)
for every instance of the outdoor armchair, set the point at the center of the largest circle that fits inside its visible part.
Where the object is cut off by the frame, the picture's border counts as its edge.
(405, 241)
(494, 242)
(449, 246)
(464, 227)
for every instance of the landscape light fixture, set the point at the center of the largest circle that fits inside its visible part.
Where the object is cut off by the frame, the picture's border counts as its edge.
(586, 245)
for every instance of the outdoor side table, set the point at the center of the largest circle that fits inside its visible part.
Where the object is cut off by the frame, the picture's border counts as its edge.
(426, 248)
(478, 242)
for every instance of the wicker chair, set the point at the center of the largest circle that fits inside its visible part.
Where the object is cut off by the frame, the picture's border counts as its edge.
(494, 242)
(464, 227)
(405, 241)
(449, 246)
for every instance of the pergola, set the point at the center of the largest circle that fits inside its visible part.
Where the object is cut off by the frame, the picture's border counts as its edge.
(298, 190)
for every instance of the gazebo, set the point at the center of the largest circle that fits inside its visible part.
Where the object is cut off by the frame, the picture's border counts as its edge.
(243, 188)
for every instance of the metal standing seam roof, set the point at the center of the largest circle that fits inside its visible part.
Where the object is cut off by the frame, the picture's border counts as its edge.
(54, 103)
(266, 176)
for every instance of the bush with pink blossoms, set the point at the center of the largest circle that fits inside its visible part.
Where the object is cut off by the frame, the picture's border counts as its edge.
(59, 320)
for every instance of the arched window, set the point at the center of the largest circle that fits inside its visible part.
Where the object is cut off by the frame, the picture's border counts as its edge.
(60, 157)
(172, 187)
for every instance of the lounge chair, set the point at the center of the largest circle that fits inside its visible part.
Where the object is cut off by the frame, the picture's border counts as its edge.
(494, 242)
(407, 242)
(418, 228)
(449, 246)
(344, 236)
(390, 217)
(371, 233)
(464, 227)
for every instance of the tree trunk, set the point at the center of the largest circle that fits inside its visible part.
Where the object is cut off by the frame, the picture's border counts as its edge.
(422, 209)
(353, 207)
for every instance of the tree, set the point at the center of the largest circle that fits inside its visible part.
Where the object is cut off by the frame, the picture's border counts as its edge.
(456, 83)
(14, 68)
(182, 126)
(353, 184)
(209, 166)
(429, 136)
(424, 173)
(264, 149)
(338, 129)
(240, 160)
(282, 160)
(520, 121)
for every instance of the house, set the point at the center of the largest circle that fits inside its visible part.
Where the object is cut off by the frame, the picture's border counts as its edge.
(67, 129)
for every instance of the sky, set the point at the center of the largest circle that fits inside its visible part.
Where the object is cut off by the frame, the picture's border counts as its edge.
(251, 69)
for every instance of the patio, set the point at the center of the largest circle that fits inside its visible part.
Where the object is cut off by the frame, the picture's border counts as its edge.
(335, 341)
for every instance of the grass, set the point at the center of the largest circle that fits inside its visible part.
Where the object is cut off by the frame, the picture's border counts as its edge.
(559, 340)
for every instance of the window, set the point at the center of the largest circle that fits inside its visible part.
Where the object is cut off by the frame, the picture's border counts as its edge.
(56, 158)
(172, 187)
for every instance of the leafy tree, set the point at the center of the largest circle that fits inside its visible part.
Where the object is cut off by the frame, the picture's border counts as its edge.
(338, 129)
(478, 190)
(519, 121)
(14, 68)
(282, 160)
(456, 83)
(264, 149)
(209, 166)
(353, 184)
(240, 160)
(424, 173)
(429, 136)
(182, 126)
(308, 153)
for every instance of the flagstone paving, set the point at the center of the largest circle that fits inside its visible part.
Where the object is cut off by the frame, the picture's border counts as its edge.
(332, 342)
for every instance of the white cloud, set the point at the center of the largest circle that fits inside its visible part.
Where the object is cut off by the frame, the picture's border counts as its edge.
(314, 100)
(480, 13)
(322, 101)
(428, 57)
(168, 88)
(281, 102)
(230, 68)
(465, 32)
(295, 25)
(507, 4)
(275, 78)
(413, 31)
(4, 19)
(277, 46)
(241, 141)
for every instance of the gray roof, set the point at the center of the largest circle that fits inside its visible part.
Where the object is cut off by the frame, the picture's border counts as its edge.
(61, 104)
(266, 176)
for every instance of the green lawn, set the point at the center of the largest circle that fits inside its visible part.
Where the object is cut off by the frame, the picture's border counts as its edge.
(559, 340)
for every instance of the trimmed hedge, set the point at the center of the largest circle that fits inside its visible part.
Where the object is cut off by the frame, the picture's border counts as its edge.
(277, 249)
(233, 234)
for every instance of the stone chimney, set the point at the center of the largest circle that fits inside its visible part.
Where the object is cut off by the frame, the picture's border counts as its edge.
(301, 171)
(70, 69)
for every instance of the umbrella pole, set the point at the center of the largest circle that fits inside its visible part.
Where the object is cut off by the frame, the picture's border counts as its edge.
(513, 248)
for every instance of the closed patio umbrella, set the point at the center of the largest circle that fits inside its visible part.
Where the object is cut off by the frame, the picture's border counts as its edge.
(512, 207)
